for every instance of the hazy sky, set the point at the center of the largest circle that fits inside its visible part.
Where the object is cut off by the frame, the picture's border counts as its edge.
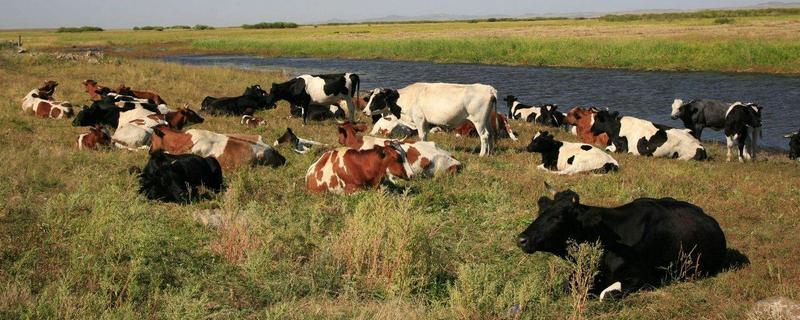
(115, 14)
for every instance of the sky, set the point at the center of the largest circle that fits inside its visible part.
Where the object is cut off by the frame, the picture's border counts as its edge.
(125, 14)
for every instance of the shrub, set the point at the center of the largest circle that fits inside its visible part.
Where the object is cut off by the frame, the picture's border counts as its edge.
(156, 28)
(184, 27)
(79, 29)
(202, 27)
(723, 20)
(270, 25)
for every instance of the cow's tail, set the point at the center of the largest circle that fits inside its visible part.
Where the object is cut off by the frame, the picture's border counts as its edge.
(504, 122)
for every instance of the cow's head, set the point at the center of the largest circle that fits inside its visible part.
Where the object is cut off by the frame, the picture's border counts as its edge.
(47, 90)
(97, 137)
(794, 145)
(394, 158)
(580, 115)
(560, 219)
(382, 102)
(606, 122)
(551, 116)
(509, 99)
(183, 117)
(348, 132)
(264, 99)
(287, 137)
(677, 109)
(542, 142)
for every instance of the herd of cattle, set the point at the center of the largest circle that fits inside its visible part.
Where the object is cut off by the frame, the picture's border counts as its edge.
(639, 238)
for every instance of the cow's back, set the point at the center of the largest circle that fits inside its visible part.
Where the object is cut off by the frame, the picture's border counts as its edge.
(446, 104)
(712, 111)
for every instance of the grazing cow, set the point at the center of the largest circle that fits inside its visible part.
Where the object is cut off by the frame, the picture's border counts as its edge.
(97, 137)
(642, 137)
(94, 90)
(442, 104)
(324, 89)
(794, 145)
(179, 178)
(569, 158)
(699, 114)
(299, 145)
(318, 112)
(425, 158)
(232, 151)
(253, 98)
(582, 120)
(346, 170)
(642, 241)
(251, 121)
(136, 133)
(742, 128)
(44, 108)
(467, 129)
(152, 97)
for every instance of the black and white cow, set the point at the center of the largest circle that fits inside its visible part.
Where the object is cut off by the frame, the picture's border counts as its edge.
(298, 144)
(318, 112)
(699, 114)
(178, 178)
(794, 145)
(107, 112)
(323, 89)
(742, 128)
(253, 98)
(550, 116)
(568, 158)
(640, 240)
(424, 105)
(520, 111)
(642, 137)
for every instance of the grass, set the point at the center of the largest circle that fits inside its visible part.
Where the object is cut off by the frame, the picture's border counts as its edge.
(76, 241)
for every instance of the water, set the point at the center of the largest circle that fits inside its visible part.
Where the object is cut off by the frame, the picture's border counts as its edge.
(642, 94)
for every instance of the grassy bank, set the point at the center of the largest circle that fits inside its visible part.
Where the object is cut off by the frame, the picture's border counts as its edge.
(741, 44)
(76, 241)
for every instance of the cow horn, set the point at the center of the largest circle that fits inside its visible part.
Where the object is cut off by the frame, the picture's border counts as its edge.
(550, 189)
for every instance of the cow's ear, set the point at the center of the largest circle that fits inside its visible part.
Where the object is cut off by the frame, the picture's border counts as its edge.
(586, 218)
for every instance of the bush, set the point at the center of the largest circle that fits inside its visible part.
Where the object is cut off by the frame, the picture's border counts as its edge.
(202, 27)
(723, 20)
(180, 27)
(79, 29)
(270, 25)
(156, 28)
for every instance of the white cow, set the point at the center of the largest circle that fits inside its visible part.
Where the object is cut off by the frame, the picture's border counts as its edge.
(442, 104)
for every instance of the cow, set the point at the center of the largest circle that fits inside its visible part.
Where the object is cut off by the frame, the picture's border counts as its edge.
(642, 241)
(442, 104)
(299, 145)
(699, 114)
(324, 89)
(252, 121)
(425, 158)
(582, 119)
(93, 89)
(346, 170)
(318, 112)
(467, 129)
(519, 111)
(550, 116)
(794, 145)
(253, 98)
(391, 126)
(179, 178)
(44, 108)
(642, 137)
(150, 96)
(232, 151)
(136, 133)
(98, 137)
(48, 90)
(569, 158)
(742, 129)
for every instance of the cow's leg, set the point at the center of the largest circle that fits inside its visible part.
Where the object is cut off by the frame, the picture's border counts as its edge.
(754, 143)
(304, 110)
(351, 108)
(729, 143)
(422, 128)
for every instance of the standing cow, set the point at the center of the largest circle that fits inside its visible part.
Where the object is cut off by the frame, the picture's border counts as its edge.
(324, 89)
(742, 128)
(794, 145)
(699, 114)
(441, 104)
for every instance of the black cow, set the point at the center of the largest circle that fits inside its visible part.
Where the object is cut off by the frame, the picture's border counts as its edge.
(178, 178)
(699, 114)
(253, 98)
(324, 89)
(550, 116)
(742, 128)
(319, 112)
(794, 145)
(640, 240)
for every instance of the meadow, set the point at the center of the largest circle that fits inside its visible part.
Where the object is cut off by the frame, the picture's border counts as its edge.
(76, 241)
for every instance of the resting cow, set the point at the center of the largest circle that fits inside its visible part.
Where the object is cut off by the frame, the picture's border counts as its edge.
(253, 98)
(152, 97)
(582, 120)
(232, 151)
(318, 112)
(252, 121)
(40, 102)
(391, 126)
(569, 158)
(499, 125)
(794, 145)
(97, 138)
(742, 129)
(346, 170)
(94, 90)
(136, 133)
(641, 137)
(321, 89)
(442, 104)
(699, 114)
(299, 145)
(640, 240)
(519, 111)
(179, 178)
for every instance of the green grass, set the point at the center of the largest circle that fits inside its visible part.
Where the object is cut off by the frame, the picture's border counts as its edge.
(76, 241)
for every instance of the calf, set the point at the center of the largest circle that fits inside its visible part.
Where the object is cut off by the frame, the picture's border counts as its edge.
(152, 97)
(44, 108)
(179, 178)
(324, 89)
(299, 145)
(251, 121)
(443, 104)
(253, 98)
(641, 137)
(699, 114)
(346, 170)
(794, 145)
(424, 157)
(391, 126)
(742, 128)
(467, 129)
(232, 151)
(582, 120)
(640, 240)
(135, 134)
(569, 158)
(97, 138)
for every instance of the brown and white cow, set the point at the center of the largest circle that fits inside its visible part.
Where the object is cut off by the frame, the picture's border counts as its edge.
(44, 108)
(152, 97)
(467, 129)
(97, 137)
(424, 157)
(346, 170)
(136, 133)
(232, 151)
(93, 89)
(582, 119)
